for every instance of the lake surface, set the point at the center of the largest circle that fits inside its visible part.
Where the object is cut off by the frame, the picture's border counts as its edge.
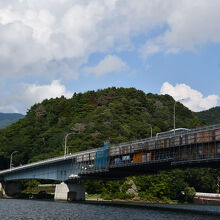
(15, 209)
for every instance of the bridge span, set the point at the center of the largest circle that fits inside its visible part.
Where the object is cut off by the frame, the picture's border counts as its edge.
(183, 147)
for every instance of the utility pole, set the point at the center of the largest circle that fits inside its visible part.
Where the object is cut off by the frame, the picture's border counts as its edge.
(65, 147)
(218, 183)
(174, 115)
(11, 163)
(151, 132)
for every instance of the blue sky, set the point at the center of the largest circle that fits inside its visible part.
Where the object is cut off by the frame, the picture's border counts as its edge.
(53, 48)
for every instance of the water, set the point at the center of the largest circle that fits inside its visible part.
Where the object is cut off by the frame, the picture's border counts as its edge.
(15, 209)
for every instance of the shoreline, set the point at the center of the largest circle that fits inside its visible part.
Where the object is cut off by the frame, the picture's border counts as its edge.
(192, 208)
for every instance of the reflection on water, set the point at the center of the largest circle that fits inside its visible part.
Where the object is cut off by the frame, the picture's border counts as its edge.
(32, 209)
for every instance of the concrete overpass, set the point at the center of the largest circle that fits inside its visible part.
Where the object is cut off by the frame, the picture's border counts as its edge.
(198, 147)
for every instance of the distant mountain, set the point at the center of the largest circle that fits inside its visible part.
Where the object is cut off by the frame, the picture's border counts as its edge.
(9, 118)
(211, 116)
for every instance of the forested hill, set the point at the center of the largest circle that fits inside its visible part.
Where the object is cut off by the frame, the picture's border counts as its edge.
(119, 114)
(211, 116)
(9, 118)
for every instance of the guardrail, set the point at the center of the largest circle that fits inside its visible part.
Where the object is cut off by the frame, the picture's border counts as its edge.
(47, 161)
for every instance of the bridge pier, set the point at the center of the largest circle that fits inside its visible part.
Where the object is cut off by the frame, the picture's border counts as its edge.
(8, 189)
(69, 192)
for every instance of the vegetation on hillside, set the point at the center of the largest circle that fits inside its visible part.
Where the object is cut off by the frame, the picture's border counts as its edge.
(164, 186)
(211, 116)
(121, 114)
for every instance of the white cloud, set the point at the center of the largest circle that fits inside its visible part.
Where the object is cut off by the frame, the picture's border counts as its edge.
(193, 23)
(54, 38)
(193, 99)
(8, 109)
(109, 64)
(45, 32)
(190, 24)
(149, 48)
(36, 93)
(30, 94)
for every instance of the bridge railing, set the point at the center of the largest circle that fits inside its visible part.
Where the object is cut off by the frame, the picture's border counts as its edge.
(85, 159)
(47, 161)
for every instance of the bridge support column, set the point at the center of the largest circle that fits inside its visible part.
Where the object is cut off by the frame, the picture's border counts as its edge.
(69, 192)
(8, 189)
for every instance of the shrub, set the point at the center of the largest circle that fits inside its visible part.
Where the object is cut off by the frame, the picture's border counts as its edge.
(189, 192)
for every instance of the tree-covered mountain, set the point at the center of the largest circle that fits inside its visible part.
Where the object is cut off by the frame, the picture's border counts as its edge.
(119, 114)
(211, 116)
(9, 118)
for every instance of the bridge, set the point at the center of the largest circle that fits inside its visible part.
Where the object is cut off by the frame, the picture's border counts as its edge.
(179, 148)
